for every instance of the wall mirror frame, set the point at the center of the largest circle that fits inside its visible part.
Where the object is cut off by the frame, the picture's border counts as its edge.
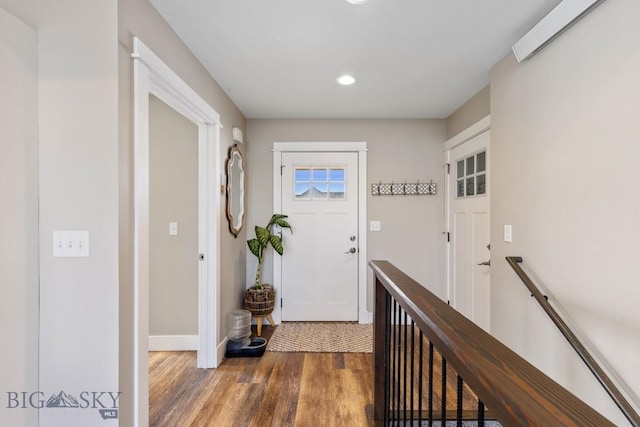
(236, 183)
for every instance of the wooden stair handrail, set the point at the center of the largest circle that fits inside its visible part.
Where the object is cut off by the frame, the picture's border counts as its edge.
(595, 368)
(516, 392)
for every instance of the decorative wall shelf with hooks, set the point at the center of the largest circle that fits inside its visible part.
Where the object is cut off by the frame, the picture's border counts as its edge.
(404, 189)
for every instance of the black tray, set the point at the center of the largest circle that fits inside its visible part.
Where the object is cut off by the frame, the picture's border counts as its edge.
(255, 348)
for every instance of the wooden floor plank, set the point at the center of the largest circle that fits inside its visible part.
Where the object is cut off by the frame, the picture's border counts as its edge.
(313, 404)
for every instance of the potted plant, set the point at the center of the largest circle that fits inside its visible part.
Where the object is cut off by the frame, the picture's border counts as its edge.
(260, 298)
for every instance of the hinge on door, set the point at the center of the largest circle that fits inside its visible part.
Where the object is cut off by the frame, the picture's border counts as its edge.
(448, 302)
(448, 235)
(280, 302)
(281, 167)
(448, 168)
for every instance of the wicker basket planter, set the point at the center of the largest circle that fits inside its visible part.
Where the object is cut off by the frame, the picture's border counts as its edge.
(260, 302)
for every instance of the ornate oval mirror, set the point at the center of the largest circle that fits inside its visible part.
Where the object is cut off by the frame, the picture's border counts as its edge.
(235, 190)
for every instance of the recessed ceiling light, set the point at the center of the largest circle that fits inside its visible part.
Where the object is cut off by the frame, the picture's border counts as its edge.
(346, 80)
(358, 1)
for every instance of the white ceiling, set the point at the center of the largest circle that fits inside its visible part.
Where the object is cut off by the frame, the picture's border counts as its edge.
(280, 58)
(412, 58)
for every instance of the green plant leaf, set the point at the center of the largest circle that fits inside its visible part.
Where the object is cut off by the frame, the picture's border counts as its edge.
(283, 224)
(254, 247)
(276, 217)
(262, 234)
(276, 242)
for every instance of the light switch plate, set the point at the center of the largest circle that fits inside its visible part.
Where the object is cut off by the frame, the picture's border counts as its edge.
(374, 226)
(70, 244)
(508, 234)
(173, 229)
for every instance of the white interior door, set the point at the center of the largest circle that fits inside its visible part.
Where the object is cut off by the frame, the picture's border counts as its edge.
(320, 262)
(469, 227)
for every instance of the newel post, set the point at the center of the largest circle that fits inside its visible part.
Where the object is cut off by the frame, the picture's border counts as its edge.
(381, 321)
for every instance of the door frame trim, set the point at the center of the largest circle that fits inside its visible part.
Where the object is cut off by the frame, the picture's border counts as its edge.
(468, 134)
(364, 316)
(471, 132)
(151, 76)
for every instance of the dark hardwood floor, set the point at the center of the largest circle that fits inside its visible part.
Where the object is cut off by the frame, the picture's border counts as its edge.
(277, 389)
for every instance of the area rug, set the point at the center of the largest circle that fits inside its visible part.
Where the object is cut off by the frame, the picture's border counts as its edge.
(317, 337)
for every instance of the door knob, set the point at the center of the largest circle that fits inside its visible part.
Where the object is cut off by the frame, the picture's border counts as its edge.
(351, 251)
(485, 263)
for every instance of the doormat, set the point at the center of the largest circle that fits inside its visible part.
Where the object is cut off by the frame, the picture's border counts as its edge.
(320, 337)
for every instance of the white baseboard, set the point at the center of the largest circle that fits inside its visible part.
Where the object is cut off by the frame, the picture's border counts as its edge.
(174, 343)
(365, 317)
(221, 351)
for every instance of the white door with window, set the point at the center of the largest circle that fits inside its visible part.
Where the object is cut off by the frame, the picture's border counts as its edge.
(320, 262)
(469, 229)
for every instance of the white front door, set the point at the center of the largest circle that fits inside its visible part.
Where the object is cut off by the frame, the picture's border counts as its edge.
(320, 262)
(469, 229)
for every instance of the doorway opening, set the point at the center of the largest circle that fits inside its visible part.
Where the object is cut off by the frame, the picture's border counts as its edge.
(173, 230)
(153, 77)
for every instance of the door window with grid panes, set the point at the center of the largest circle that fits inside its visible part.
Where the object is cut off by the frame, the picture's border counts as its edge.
(471, 175)
(319, 183)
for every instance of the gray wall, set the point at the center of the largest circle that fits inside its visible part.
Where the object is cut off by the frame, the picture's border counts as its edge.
(139, 18)
(476, 108)
(78, 129)
(565, 152)
(173, 197)
(399, 150)
(19, 218)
